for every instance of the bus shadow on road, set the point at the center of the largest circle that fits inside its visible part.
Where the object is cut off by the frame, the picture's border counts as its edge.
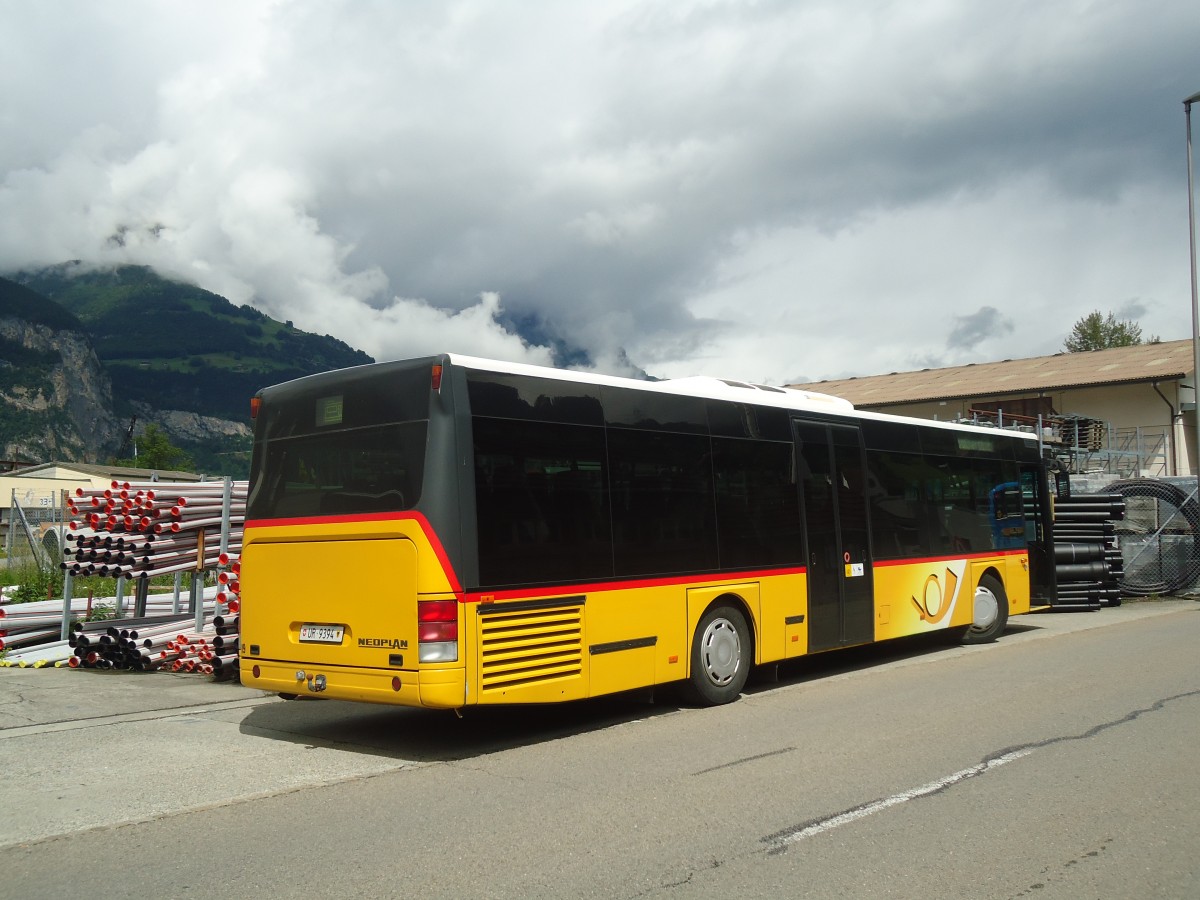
(863, 658)
(422, 735)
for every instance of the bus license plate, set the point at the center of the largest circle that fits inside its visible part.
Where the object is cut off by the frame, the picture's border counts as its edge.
(321, 634)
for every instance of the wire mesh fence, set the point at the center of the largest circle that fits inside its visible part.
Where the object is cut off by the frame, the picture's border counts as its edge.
(1159, 536)
(33, 534)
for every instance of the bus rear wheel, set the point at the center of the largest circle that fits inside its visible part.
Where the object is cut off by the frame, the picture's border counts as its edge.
(721, 657)
(991, 612)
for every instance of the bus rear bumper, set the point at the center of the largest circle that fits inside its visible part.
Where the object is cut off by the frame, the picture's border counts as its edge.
(434, 688)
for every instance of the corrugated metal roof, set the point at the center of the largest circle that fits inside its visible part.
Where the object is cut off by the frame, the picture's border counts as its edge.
(1120, 365)
(122, 473)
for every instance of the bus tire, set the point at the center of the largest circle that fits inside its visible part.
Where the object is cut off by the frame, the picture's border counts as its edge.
(990, 612)
(721, 657)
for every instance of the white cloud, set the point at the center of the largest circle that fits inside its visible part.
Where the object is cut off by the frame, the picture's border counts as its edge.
(888, 293)
(761, 190)
(407, 328)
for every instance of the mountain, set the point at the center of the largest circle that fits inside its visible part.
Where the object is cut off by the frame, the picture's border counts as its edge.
(175, 346)
(55, 396)
(181, 357)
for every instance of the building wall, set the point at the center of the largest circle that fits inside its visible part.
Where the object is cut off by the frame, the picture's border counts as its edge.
(39, 492)
(40, 495)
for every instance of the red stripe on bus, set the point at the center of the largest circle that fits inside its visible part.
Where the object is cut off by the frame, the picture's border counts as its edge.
(592, 587)
(567, 590)
(430, 535)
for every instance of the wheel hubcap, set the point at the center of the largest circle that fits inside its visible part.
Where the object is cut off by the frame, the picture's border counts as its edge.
(987, 609)
(722, 652)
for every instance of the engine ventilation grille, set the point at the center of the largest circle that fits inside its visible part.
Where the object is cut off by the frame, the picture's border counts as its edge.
(529, 646)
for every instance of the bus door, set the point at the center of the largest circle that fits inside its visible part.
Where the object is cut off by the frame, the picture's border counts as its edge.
(832, 483)
(1039, 538)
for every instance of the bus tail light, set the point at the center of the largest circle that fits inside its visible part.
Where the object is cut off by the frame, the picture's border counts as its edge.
(437, 630)
(436, 379)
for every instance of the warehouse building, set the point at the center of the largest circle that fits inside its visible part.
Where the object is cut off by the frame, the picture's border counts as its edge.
(1125, 411)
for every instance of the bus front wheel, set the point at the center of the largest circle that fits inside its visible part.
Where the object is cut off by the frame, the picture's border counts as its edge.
(991, 612)
(721, 657)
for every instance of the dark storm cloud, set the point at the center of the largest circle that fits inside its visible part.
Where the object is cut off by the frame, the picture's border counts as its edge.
(969, 331)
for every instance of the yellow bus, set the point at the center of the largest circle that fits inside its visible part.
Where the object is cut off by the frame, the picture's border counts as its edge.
(452, 531)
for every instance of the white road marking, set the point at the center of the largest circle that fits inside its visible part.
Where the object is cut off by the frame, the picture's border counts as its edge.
(780, 841)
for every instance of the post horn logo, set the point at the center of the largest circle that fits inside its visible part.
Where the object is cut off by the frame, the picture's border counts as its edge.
(935, 603)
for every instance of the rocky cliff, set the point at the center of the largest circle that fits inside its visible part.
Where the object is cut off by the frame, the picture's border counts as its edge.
(55, 399)
(85, 351)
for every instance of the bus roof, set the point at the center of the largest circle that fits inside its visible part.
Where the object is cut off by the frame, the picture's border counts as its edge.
(721, 389)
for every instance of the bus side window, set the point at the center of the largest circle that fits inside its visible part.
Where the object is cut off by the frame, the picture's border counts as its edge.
(897, 515)
(540, 502)
(664, 518)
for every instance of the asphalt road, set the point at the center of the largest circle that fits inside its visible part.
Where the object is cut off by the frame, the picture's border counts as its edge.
(1059, 762)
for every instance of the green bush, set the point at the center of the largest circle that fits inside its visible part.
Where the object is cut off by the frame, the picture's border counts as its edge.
(34, 583)
(101, 612)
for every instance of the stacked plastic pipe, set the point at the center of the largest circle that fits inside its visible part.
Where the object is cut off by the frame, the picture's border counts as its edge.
(1088, 566)
(151, 644)
(140, 531)
(31, 632)
(25, 627)
(143, 530)
(229, 586)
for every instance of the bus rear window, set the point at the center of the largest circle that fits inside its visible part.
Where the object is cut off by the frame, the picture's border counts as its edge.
(347, 399)
(359, 470)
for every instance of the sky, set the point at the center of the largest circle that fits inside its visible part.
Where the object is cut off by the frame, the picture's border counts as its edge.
(777, 191)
